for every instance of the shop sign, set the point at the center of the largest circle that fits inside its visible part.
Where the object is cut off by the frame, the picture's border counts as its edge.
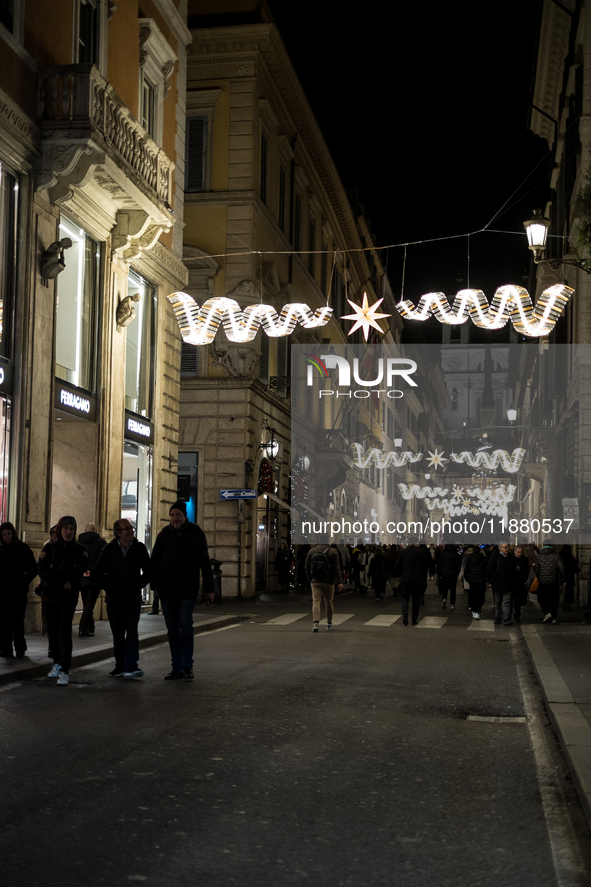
(75, 401)
(5, 378)
(139, 428)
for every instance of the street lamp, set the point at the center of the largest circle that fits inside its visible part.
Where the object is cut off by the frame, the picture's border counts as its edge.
(537, 232)
(512, 414)
(271, 447)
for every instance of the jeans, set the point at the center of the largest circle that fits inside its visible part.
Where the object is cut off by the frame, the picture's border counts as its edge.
(548, 597)
(12, 624)
(178, 616)
(89, 594)
(476, 596)
(322, 590)
(411, 591)
(124, 620)
(448, 584)
(502, 599)
(59, 630)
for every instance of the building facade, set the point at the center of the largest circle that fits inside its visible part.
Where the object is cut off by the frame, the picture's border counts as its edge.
(92, 111)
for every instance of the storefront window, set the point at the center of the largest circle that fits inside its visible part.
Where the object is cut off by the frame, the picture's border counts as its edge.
(136, 491)
(4, 454)
(140, 348)
(8, 204)
(77, 301)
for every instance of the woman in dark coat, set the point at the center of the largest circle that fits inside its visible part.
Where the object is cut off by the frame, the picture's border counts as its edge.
(61, 567)
(17, 570)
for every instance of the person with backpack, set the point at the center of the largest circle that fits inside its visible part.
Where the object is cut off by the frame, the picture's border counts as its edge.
(550, 573)
(413, 566)
(323, 570)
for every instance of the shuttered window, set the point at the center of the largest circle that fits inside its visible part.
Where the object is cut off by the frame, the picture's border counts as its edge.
(195, 153)
(189, 359)
(264, 359)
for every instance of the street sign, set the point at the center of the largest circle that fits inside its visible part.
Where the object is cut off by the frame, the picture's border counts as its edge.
(238, 494)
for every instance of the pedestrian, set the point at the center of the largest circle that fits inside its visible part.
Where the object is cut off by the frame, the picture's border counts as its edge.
(17, 570)
(89, 587)
(357, 567)
(123, 569)
(61, 567)
(449, 564)
(301, 566)
(413, 567)
(475, 566)
(549, 570)
(283, 566)
(179, 556)
(519, 594)
(571, 569)
(501, 575)
(323, 570)
(378, 574)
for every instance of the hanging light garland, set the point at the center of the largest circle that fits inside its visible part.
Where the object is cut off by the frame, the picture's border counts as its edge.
(199, 325)
(382, 460)
(495, 495)
(509, 303)
(491, 461)
(366, 316)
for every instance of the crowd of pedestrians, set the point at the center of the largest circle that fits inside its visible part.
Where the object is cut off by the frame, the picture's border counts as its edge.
(69, 568)
(511, 573)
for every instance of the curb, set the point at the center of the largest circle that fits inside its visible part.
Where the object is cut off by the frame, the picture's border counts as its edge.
(105, 651)
(569, 722)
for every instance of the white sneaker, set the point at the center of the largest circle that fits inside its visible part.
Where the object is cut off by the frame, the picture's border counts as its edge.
(329, 626)
(63, 679)
(315, 626)
(476, 615)
(452, 607)
(54, 673)
(547, 617)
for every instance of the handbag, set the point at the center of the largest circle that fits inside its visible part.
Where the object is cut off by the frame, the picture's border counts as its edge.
(533, 589)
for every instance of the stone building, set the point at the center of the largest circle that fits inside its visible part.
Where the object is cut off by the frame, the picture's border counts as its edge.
(92, 111)
(266, 219)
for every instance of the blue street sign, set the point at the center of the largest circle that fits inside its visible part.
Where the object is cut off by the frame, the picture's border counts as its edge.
(238, 494)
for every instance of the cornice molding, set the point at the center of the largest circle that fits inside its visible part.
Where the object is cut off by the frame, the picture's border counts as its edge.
(18, 132)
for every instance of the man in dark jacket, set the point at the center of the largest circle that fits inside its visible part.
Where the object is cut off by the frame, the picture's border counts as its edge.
(89, 587)
(123, 570)
(413, 566)
(179, 555)
(324, 572)
(501, 574)
(519, 596)
(449, 564)
(549, 569)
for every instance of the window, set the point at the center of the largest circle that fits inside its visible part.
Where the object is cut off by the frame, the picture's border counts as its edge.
(264, 359)
(195, 153)
(7, 14)
(140, 348)
(8, 240)
(282, 193)
(157, 61)
(148, 100)
(297, 222)
(87, 42)
(77, 305)
(311, 246)
(264, 166)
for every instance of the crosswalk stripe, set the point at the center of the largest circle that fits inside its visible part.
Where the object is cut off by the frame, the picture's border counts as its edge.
(383, 619)
(482, 625)
(432, 622)
(286, 619)
(338, 618)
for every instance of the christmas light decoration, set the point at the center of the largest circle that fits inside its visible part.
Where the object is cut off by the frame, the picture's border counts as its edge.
(493, 495)
(491, 461)
(199, 325)
(413, 490)
(436, 461)
(509, 303)
(366, 316)
(382, 460)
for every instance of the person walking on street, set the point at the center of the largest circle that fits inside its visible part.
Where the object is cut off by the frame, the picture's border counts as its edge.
(501, 575)
(323, 570)
(123, 569)
(571, 569)
(519, 595)
(413, 567)
(549, 570)
(18, 568)
(449, 564)
(283, 561)
(89, 588)
(179, 556)
(475, 575)
(61, 567)
(378, 574)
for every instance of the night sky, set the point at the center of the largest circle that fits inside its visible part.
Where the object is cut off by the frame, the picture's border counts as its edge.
(425, 108)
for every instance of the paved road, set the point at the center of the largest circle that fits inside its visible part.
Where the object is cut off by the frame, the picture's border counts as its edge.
(343, 757)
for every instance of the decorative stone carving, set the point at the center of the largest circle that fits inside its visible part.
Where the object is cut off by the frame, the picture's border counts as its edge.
(237, 360)
(126, 310)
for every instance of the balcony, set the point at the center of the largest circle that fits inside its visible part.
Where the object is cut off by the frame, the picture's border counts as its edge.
(91, 143)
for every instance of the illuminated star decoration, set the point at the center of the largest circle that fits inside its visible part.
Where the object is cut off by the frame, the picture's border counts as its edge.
(437, 461)
(366, 315)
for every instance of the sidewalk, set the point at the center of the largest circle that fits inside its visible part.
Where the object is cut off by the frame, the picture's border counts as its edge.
(152, 631)
(561, 657)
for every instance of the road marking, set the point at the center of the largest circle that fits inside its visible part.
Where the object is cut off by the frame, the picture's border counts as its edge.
(482, 625)
(432, 622)
(568, 864)
(338, 618)
(383, 619)
(286, 619)
(495, 720)
(203, 634)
